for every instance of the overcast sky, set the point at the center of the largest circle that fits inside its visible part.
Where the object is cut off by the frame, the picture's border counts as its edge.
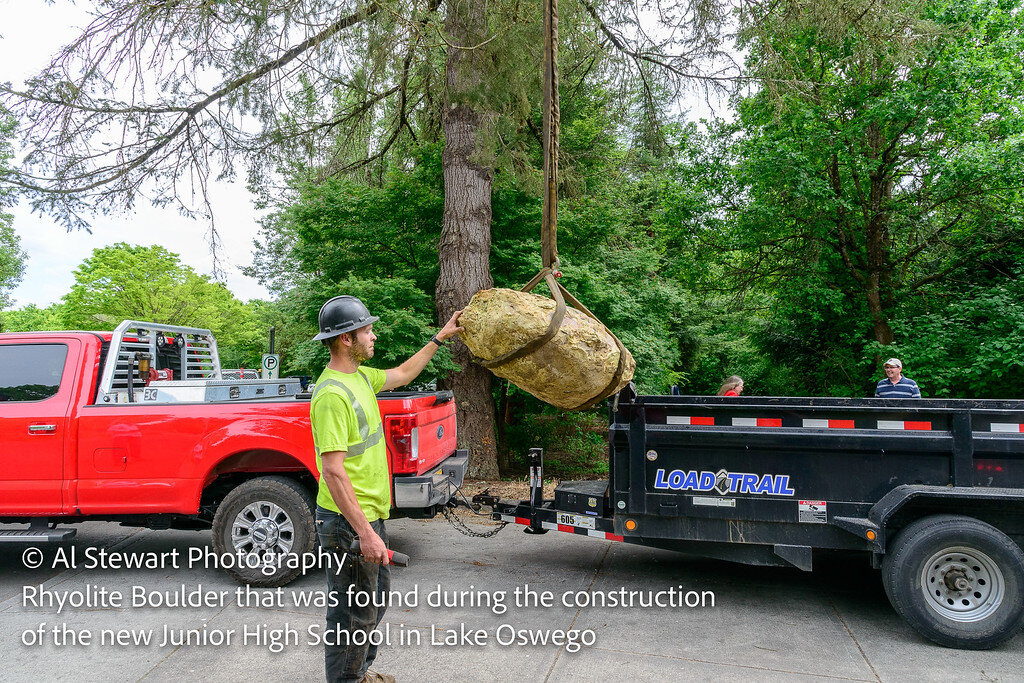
(31, 32)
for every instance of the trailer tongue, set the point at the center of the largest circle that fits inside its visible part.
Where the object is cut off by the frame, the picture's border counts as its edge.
(931, 490)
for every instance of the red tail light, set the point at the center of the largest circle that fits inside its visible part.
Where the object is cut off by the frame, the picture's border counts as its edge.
(403, 442)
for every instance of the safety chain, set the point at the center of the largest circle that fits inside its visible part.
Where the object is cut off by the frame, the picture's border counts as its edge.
(461, 527)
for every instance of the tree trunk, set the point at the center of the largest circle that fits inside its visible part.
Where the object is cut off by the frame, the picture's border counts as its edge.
(464, 250)
(882, 330)
(879, 264)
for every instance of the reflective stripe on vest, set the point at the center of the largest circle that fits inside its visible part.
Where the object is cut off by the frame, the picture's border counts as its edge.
(367, 440)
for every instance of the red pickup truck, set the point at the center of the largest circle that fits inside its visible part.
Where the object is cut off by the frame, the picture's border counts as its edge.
(138, 426)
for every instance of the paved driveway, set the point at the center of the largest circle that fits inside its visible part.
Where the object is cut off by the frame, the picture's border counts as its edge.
(459, 620)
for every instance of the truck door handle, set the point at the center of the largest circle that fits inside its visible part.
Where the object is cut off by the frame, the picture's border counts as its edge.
(42, 429)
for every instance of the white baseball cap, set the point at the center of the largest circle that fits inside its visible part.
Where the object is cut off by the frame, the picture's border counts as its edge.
(894, 361)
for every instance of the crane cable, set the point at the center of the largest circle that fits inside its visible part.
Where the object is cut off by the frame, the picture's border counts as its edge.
(549, 221)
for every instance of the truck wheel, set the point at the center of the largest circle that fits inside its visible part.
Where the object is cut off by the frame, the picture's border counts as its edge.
(957, 580)
(259, 524)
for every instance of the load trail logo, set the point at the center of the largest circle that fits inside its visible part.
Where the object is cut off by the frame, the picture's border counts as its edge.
(723, 482)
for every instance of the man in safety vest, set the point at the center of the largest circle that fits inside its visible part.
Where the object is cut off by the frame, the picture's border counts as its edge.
(354, 495)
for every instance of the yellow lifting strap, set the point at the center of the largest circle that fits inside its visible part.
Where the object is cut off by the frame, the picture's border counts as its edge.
(549, 221)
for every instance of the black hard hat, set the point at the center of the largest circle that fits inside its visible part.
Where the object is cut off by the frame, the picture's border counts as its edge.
(342, 314)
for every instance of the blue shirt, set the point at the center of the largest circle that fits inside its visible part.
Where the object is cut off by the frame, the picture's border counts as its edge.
(905, 388)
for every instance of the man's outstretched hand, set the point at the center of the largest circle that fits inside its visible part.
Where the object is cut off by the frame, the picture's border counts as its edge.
(451, 328)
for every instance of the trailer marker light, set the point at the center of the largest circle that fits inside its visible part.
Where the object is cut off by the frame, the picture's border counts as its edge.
(630, 524)
(871, 535)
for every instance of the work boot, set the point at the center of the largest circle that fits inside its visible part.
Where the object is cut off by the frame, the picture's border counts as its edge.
(372, 676)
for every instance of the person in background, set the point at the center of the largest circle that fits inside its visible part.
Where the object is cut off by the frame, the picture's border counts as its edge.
(733, 386)
(895, 385)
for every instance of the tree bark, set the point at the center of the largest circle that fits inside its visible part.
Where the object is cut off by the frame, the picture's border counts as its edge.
(464, 250)
(878, 241)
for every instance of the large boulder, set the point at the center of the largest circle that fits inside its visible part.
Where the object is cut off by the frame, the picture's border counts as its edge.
(568, 371)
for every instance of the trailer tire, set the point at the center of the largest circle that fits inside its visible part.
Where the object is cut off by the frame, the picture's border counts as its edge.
(259, 524)
(957, 580)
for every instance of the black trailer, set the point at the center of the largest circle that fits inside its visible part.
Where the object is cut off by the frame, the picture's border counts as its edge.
(931, 490)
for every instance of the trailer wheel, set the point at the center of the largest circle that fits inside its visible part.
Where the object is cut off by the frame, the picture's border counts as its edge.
(957, 580)
(259, 524)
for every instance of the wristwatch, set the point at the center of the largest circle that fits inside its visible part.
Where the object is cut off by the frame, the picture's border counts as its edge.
(437, 341)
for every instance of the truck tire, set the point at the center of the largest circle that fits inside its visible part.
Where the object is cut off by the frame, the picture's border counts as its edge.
(259, 524)
(957, 580)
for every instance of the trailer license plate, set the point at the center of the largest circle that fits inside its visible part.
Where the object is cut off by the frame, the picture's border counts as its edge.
(575, 520)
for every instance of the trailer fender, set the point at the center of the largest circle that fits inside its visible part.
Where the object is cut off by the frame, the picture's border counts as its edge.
(930, 499)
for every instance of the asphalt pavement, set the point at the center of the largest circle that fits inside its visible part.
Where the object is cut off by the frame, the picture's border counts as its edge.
(512, 607)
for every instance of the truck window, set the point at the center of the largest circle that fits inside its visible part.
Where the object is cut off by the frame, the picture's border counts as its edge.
(31, 372)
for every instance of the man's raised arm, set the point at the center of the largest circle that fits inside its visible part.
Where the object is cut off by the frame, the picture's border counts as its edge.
(411, 369)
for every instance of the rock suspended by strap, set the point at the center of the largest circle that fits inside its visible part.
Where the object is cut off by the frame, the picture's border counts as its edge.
(562, 355)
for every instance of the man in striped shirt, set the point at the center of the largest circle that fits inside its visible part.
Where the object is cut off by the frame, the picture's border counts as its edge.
(895, 385)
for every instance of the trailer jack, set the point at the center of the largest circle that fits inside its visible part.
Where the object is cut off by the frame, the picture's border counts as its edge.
(536, 460)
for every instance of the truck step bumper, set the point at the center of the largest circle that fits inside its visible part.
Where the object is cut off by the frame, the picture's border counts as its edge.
(37, 532)
(436, 488)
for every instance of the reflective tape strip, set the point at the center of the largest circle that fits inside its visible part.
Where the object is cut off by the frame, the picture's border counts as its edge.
(367, 440)
(606, 535)
(757, 422)
(364, 425)
(828, 424)
(360, 448)
(1007, 427)
(525, 521)
(905, 425)
(688, 420)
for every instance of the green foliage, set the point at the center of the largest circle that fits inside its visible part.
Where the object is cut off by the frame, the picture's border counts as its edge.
(129, 282)
(12, 258)
(341, 225)
(31, 318)
(882, 156)
(625, 290)
(405, 325)
(575, 444)
(970, 343)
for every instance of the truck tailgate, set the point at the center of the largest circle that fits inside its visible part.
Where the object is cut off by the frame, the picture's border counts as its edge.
(434, 431)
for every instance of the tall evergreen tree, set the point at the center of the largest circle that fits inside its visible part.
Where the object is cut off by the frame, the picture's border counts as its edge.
(336, 87)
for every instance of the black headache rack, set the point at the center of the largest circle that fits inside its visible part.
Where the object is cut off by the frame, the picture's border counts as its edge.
(767, 480)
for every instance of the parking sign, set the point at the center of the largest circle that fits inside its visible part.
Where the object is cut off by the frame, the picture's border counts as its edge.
(271, 365)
